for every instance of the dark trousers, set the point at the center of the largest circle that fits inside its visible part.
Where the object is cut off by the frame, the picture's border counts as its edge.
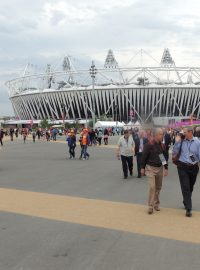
(187, 177)
(127, 164)
(105, 141)
(72, 151)
(99, 140)
(139, 163)
(167, 152)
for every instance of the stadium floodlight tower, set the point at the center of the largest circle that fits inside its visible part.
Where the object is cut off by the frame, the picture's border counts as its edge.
(93, 72)
(67, 67)
(168, 63)
(167, 60)
(110, 61)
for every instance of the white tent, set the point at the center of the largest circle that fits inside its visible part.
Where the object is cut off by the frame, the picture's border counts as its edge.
(137, 124)
(130, 123)
(104, 124)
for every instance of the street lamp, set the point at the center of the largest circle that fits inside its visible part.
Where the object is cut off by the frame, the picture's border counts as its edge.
(93, 72)
(86, 115)
(189, 109)
(63, 113)
(170, 109)
(116, 107)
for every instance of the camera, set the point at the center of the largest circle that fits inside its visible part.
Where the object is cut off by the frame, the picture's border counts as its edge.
(181, 135)
(192, 158)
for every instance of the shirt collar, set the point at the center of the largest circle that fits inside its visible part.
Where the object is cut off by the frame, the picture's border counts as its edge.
(190, 140)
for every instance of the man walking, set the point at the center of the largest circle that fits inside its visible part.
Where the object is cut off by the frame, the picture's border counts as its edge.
(140, 142)
(85, 142)
(1, 136)
(125, 149)
(154, 164)
(71, 139)
(189, 150)
(11, 134)
(166, 141)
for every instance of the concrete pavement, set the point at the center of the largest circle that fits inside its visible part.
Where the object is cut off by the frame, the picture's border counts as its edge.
(58, 213)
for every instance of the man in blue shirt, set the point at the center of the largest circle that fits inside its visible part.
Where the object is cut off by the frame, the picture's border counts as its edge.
(187, 165)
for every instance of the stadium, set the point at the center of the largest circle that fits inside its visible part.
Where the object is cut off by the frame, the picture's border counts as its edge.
(139, 92)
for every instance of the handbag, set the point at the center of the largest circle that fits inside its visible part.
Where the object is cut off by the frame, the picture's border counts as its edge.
(175, 158)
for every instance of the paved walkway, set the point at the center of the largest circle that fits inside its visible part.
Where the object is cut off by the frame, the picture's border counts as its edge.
(104, 214)
(75, 214)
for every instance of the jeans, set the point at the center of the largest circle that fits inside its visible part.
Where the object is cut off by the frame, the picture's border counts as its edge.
(84, 149)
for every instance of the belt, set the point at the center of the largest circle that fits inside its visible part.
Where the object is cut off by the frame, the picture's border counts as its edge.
(188, 164)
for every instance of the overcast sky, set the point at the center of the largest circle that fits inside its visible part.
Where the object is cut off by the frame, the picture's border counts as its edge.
(43, 31)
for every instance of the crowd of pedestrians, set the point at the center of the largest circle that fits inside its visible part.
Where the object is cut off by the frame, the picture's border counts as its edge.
(151, 149)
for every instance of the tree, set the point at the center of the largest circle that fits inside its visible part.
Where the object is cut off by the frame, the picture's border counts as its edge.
(90, 124)
(44, 123)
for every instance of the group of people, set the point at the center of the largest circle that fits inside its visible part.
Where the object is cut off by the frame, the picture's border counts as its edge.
(84, 141)
(88, 137)
(152, 154)
(11, 132)
(151, 149)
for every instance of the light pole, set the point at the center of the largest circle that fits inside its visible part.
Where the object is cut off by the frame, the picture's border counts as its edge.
(86, 115)
(64, 112)
(189, 109)
(170, 109)
(93, 72)
(116, 107)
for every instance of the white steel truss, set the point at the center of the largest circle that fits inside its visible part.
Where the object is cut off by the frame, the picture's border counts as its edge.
(165, 90)
(145, 101)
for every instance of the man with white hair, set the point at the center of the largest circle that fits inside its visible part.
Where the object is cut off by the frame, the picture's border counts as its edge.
(154, 165)
(125, 150)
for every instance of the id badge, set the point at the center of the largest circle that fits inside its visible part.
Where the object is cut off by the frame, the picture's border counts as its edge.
(162, 159)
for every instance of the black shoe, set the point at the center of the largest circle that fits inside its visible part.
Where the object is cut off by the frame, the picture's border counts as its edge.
(131, 173)
(139, 176)
(125, 177)
(188, 213)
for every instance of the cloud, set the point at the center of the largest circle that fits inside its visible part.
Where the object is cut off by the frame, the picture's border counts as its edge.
(44, 31)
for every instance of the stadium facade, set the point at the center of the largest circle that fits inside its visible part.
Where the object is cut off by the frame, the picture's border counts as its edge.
(139, 92)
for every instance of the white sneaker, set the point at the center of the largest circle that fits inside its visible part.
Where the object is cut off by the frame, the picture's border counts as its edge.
(83, 158)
